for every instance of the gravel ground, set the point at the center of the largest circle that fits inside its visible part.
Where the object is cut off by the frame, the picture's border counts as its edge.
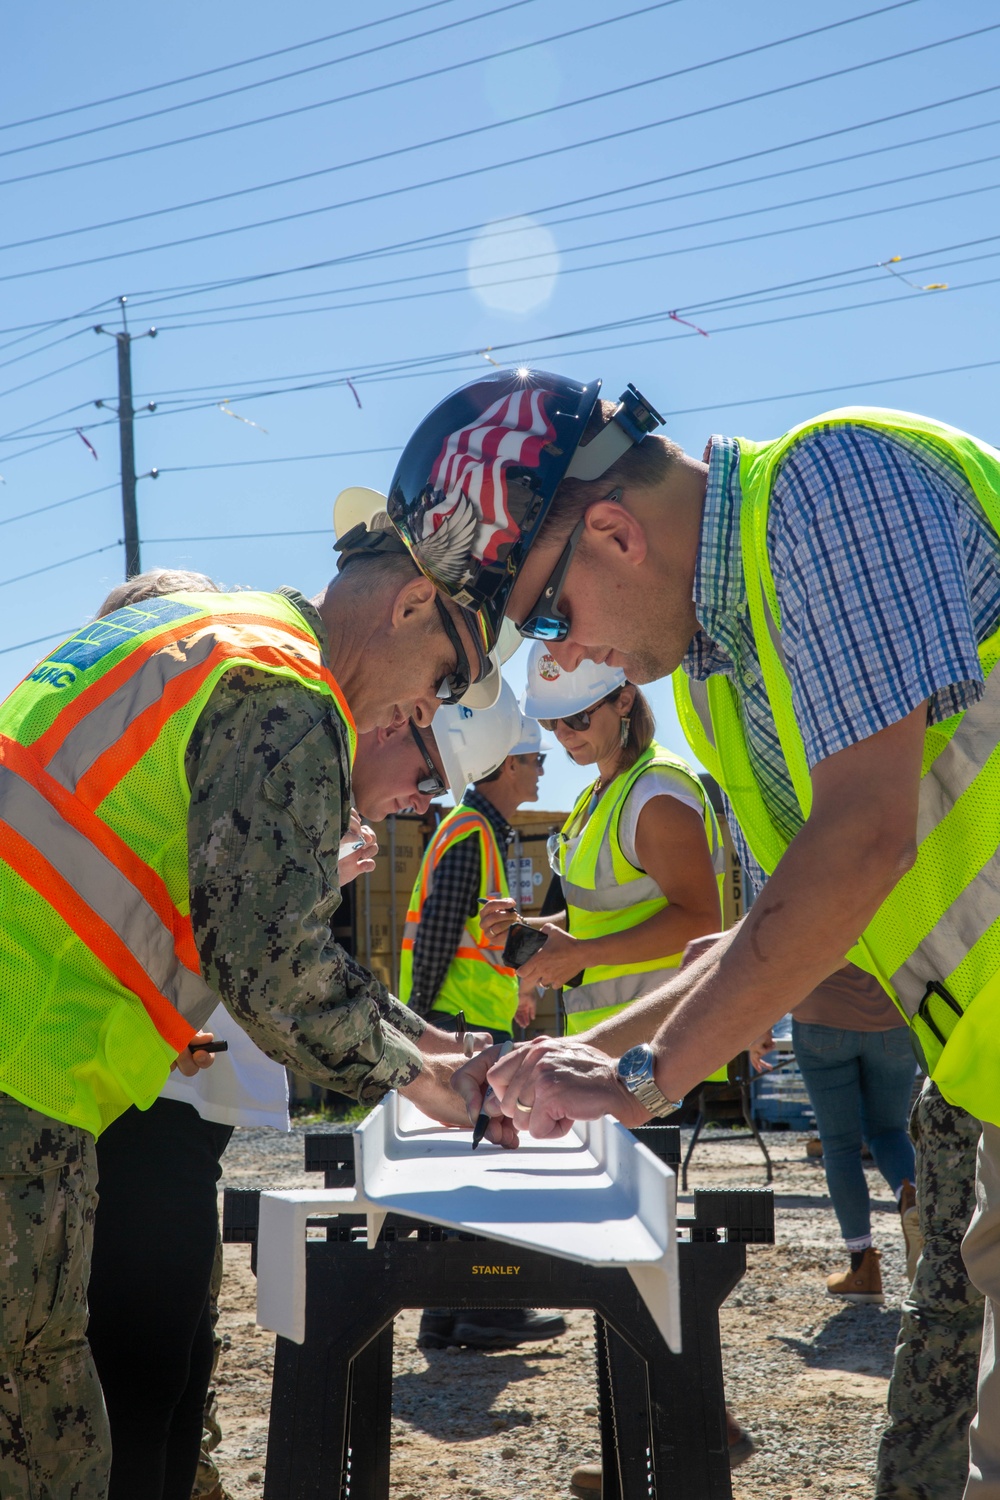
(806, 1375)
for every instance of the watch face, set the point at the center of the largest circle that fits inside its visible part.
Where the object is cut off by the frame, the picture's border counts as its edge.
(635, 1064)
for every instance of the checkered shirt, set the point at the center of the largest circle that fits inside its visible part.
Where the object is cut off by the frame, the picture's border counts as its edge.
(453, 898)
(888, 576)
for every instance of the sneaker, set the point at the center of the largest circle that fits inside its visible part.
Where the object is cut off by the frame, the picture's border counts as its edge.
(436, 1325)
(505, 1327)
(862, 1285)
(910, 1220)
(814, 1147)
(585, 1481)
(741, 1444)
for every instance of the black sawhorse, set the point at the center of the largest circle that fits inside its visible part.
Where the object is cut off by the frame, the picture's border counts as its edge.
(662, 1415)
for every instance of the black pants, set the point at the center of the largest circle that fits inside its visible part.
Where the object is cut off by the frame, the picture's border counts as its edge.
(154, 1241)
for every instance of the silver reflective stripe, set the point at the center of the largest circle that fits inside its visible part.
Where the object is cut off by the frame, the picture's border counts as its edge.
(961, 760)
(699, 701)
(100, 729)
(108, 892)
(610, 897)
(947, 943)
(621, 990)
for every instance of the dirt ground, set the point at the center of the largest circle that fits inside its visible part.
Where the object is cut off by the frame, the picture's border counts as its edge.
(806, 1375)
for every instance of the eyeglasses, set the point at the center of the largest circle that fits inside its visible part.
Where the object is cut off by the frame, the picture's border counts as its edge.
(453, 687)
(582, 719)
(536, 758)
(546, 621)
(430, 785)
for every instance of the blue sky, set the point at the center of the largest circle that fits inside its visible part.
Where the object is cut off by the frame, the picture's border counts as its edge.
(627, 195)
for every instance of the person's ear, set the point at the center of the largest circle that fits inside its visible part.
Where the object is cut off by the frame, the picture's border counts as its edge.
(391, 732)
(414, 599)
(611, 529)
(626, 698)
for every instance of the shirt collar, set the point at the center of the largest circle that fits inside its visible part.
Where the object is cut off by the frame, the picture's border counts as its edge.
(312, 617)
(481, 804)
(719, 586)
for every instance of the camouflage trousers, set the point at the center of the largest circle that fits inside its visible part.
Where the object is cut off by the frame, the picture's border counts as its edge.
(982, 1257)
(54, 1440)
(208, 1481)
(924, 1453)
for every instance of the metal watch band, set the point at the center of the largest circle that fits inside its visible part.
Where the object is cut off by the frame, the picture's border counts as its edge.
(651, 1097)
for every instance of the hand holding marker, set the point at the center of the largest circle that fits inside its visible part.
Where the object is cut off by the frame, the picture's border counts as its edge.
(483, 1120)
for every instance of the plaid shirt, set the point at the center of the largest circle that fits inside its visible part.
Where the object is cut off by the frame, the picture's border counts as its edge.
(888, 576)
(454, 897)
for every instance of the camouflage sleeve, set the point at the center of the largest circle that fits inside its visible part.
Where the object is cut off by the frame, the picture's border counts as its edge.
(269, 777)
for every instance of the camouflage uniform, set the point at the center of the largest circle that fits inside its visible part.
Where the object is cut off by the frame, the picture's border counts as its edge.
(270, 797)
(924, 1454)
(54, 1440)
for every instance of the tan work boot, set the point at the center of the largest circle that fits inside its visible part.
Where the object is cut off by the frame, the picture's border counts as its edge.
(585, 1481)
(862, 1285)
(910, 1220)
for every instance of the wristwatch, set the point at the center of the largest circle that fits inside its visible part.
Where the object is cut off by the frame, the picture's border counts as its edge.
(635, 1070)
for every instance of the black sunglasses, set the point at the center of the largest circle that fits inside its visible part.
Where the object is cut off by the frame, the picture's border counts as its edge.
(546, 621)
(580, 720)
(453, 687)
(430, 785)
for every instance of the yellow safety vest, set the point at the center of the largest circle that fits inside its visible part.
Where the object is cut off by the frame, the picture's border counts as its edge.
(477, 981)
(934, 943)
(606, 893)
(101, 978)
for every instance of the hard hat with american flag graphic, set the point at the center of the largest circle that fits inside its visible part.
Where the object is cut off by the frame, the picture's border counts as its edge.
(477, 477)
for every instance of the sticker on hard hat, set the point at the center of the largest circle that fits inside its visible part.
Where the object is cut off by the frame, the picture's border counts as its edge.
(548, 668)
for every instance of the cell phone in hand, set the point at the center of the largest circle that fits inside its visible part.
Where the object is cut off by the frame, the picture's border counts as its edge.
(522, 943)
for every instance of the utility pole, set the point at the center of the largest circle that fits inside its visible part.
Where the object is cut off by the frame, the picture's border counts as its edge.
(126, 414)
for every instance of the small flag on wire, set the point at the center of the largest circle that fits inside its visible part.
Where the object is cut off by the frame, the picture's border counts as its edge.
(86, 441)
(931, 286)
(678, 319)
(350, 386)
(224, 406)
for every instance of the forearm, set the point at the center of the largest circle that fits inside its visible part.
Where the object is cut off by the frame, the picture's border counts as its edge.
(640, 1021)
(830, 882)
(662, 935)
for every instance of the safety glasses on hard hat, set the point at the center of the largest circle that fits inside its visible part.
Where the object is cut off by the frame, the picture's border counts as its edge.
(582, 719)
(546, 621)
(453, 687)
(433, 784)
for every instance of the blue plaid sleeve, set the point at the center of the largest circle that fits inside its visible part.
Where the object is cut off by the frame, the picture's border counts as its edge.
(871, 541)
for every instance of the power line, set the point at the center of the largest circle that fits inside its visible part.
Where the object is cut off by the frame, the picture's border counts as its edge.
(50, 374)
(235, 536)
(152, 88)
(55, 505)
(295, 458)
(446, 240)
(603, 265)
(62, 563)
(164, 294)
(827, 390)
(54, 635)
(327, 103)
(534, 156)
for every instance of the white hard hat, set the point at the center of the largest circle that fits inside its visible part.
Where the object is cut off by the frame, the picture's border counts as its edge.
(470, 743)
(532, 740)
(358, 505)
(551, 693)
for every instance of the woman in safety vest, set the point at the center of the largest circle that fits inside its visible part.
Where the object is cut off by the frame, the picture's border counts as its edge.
(639, 857)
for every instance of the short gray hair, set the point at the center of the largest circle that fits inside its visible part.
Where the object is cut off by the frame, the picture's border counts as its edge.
(152, 584)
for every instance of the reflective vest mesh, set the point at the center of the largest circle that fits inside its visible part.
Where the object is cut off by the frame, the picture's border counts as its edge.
(477, 981)
(934, 943)
(605, 893)
(99, 972)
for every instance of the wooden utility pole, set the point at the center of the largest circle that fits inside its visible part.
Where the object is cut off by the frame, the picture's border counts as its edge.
(126, 414)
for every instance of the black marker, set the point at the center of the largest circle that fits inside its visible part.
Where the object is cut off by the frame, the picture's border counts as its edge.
(208, 1046)
(483, 1119)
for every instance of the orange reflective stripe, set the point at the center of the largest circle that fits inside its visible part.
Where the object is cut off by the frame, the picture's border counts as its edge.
(20, 759)
(35, 870)
(142, 733)
(476, 953)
